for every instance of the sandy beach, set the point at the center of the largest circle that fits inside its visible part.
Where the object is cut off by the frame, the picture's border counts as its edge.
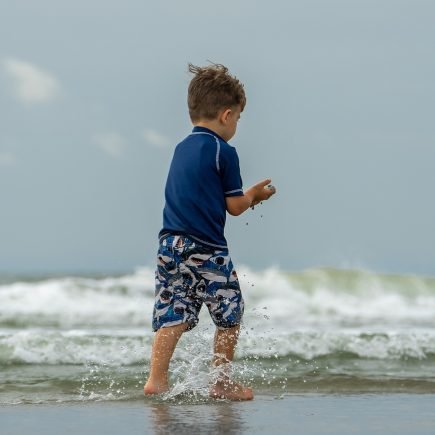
(290, 414)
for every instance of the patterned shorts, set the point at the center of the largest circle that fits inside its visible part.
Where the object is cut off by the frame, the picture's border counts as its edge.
(189, 274)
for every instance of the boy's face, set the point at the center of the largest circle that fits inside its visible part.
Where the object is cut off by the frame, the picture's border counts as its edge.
(229, 118)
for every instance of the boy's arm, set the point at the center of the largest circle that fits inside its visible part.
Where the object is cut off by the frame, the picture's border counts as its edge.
(236, 205)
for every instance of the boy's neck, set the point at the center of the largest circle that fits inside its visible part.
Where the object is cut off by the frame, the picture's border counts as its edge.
(213, 125)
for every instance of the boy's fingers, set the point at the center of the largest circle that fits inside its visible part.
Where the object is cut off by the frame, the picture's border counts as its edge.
(262, 191)
(264, 183)
(269, 193)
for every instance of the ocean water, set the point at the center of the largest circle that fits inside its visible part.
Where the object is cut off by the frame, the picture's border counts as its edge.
(88, 338)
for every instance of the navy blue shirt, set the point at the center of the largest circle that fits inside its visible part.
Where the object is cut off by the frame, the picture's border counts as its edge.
(204, 170)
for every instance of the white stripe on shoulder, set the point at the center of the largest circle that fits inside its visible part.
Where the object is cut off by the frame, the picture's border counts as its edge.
(218, 146)
(218, 150)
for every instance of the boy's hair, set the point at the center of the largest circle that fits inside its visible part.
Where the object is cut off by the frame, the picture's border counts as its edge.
(211, 90)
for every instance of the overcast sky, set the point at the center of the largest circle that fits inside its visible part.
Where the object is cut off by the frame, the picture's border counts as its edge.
(340, 115)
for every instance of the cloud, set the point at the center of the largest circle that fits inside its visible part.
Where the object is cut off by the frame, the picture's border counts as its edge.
(7, 159)
(32, 84)
(111, 143)
(155, 139)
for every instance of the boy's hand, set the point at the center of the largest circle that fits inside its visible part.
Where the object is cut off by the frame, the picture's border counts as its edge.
(261, 191)
(236, 205)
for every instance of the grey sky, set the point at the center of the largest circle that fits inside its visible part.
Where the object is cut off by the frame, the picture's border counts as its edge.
(340, 114)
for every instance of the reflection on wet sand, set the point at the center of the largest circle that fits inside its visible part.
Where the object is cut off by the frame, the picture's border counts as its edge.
(225, 417)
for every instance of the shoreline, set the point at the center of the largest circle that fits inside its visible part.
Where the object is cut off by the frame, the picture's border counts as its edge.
(310, 413)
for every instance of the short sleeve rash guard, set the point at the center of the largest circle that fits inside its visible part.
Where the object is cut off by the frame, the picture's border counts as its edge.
(204, 170)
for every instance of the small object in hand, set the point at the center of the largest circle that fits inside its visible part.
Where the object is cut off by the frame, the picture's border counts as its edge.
(271, 187)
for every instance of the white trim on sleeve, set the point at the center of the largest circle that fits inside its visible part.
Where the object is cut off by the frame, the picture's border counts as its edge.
(233, 191)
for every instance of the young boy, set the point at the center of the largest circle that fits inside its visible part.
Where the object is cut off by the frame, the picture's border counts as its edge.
(194, 265)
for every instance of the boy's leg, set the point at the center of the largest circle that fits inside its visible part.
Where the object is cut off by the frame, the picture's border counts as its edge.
(224, 345)
(172, 306)
(225, 341)
(164, 344)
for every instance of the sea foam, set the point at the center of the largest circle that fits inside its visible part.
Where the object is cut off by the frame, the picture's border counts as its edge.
(313, 297)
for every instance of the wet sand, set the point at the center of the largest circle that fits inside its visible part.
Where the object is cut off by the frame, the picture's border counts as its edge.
(289, 414)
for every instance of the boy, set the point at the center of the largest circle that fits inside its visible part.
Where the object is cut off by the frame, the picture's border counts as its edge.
(194, 266)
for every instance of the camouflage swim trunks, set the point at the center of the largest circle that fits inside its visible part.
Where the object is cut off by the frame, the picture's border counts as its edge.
(189, 274)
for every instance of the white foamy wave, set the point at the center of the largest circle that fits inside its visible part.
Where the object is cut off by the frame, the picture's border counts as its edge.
(337, 298)
(315, 298)
(74, 347)
(314, 344)
(73, 301)
(134, 348)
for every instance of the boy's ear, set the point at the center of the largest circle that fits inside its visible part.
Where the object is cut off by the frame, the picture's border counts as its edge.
(225, 114)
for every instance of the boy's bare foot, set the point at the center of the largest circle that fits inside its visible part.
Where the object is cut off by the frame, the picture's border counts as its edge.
(151, 388)
(230, 390)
